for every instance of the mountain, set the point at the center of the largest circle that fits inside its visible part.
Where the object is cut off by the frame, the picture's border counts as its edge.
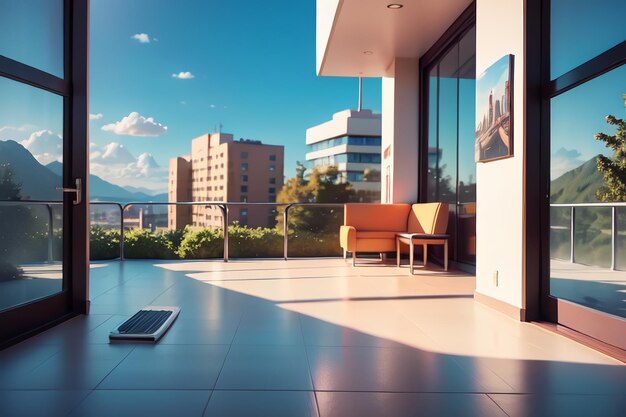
(578, 185)
(143, 190)
(101, 190)
(36, 181)
(39, 182)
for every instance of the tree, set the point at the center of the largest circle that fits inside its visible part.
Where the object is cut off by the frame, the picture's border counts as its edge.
(9, 189)
(318, 187)
(613, 169)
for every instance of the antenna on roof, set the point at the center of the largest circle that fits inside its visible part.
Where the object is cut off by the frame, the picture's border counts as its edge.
(360, 106)
(221, 126)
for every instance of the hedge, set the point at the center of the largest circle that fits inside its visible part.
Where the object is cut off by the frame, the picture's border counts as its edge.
(189, 243)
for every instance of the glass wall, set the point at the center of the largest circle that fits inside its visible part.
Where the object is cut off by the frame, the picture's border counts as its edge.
(587, 160)
(451, 172)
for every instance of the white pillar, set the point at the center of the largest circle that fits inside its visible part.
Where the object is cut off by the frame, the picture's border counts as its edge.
(399, 132)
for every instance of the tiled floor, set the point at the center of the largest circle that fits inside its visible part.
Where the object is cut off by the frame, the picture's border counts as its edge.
(303, 338)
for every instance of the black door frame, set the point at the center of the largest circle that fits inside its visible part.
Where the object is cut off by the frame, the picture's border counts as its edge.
(539, 90)
(451, 36)
(24, 320)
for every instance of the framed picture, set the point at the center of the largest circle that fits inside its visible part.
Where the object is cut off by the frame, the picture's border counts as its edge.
(494, 111)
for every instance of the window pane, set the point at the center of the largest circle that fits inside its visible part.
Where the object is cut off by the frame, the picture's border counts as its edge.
(31, 238)
(578, 177)
(583, 29)
(31, 31)
(448, 111)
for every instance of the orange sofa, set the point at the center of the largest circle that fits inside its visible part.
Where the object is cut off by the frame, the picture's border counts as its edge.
(373, 227)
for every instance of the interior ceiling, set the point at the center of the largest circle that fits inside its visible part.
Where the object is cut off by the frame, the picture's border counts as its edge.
(368, 25)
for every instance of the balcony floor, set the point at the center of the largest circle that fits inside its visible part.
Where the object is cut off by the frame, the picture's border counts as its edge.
(303, 338)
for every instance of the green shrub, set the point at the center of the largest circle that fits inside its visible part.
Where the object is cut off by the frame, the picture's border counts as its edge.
(201, 244)
(245, 242)
(103, 243)
(311, 244)
(143, 244)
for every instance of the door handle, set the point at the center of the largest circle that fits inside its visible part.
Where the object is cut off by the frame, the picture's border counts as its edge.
(78, 191)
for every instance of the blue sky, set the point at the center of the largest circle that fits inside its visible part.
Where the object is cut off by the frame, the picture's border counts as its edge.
(251, 65)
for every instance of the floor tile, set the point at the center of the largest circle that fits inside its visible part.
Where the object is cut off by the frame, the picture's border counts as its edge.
(168, 367)
(521, 405)
(387, 369)
(260, 327)
(161, 403)
(261, 404)
(76, 367)
(253, 367)
(39, 403)
(376, 404)
(200, 332)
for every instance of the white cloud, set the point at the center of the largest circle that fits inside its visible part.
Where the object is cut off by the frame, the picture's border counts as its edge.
(564, 160)
(114, 163)
(15, 133)
(136, 125)
(45, 145)
(212, 106)
(141, 37)
(184, 103)
(113, 153)
(144, 167)
(96, 116)
(184, 75)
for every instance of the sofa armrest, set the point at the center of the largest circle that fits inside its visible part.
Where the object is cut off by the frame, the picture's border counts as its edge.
(347, 238)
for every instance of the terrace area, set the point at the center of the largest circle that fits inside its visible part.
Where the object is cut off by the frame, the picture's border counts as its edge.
(304, 337)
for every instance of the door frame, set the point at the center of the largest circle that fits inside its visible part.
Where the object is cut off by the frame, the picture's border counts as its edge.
(26, 319)
(540, 89)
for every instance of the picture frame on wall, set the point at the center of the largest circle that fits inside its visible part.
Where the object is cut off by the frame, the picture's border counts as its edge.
(494, 111)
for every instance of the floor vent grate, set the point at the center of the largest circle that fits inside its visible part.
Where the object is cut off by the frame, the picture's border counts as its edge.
(150, 323)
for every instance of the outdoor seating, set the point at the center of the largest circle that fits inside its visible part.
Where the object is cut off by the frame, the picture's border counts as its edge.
(384, 227)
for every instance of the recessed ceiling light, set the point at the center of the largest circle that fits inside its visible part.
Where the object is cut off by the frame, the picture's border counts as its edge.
(367, 52)
(395, 6)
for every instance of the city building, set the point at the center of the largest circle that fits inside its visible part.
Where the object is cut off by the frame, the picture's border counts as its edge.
(350, 142)
(529, 321)
(221, 169)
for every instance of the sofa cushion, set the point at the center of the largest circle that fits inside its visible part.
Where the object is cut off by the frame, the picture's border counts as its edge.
(428, 218)
(377, 217)
(368, 234)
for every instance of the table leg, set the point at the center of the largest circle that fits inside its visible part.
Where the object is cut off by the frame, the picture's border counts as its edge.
(425, 249)
(411, 255)
(445, 255)
(397, 252)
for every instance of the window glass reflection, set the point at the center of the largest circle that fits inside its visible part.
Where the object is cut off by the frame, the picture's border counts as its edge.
(586, 195)
(31, 32)
(583, 29)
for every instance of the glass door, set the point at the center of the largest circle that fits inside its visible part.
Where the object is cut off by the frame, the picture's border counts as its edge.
(451, 171)
(41, 163)
(585, 281)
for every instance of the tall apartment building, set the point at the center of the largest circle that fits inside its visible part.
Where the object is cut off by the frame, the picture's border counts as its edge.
(221, 169)
(351, 141)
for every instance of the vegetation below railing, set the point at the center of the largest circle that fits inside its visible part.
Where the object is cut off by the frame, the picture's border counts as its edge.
(190, 243)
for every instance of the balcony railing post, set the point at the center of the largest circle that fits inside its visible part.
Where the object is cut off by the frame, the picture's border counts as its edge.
(286, 231)
(613, 238)
(50, 233)
(572, 233)
(224, 208)
(122, 209)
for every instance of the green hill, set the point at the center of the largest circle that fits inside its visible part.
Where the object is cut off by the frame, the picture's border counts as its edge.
(578, 185)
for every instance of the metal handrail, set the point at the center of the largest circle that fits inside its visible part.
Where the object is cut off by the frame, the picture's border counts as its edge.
(223, 206)
(572, 226)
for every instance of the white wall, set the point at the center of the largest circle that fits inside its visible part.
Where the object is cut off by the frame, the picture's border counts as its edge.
(500, 199)
(325, 17)
(400, 121)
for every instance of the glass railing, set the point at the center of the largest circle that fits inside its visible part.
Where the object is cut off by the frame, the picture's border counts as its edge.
(589, 234)
(211, 230)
